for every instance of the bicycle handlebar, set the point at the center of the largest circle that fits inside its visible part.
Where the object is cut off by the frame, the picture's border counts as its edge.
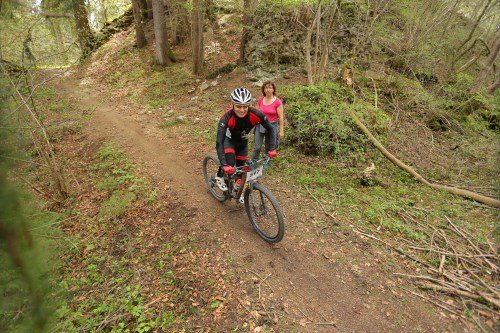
(252, 164)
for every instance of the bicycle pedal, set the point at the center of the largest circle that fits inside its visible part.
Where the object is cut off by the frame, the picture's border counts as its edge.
(220, 183)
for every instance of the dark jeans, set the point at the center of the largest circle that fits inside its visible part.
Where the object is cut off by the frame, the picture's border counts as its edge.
(259, 139)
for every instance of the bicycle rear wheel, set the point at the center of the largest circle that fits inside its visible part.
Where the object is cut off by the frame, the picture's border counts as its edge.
(210, 167)
(264, 213)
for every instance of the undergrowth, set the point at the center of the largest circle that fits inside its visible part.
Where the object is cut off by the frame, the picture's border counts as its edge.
(320, 122)
(133, 272)
(104, 290)
(381, 206)
(28, 263)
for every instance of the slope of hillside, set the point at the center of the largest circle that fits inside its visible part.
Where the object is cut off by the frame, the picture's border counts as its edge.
(324, 274)
(145, 247)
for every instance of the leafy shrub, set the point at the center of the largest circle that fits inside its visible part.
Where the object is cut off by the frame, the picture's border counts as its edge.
(459, 86)
(446, 108)
(116, 205)
(320, 122)
(456, 102)
(410, 94)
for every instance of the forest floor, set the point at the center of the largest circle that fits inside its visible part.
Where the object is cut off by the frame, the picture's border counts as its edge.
(322, 281)
(315, 280)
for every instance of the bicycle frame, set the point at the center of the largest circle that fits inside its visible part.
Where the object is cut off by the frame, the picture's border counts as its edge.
(243, 171)
(256, 198)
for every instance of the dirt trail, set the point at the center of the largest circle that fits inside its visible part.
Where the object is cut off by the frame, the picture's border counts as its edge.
(320, 279)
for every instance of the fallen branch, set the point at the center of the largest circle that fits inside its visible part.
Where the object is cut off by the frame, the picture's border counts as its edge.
(441, 264)
(495, 292)
(452, 254)
(464, 193)
(321, 205)
(461, 233)
(478, 297)
(260, 283)
(460, 282)
(423, 277)
(262, 280)
(326, 324)
(397, 249)
(456, 313)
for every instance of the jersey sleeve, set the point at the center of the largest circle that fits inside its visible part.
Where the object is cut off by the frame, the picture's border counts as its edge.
(221, 137)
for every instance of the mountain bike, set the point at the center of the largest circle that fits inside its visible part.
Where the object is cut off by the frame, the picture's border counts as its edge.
(261, 206)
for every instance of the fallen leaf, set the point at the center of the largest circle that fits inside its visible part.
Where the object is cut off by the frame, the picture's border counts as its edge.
(255, 314)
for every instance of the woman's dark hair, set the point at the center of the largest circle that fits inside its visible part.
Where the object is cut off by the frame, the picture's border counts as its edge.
(264, 87)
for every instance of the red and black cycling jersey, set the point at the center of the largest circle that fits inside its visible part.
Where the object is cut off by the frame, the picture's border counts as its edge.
(237, 129)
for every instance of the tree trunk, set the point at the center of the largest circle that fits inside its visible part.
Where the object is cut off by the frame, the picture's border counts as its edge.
(41, 140)
(494, 85)
(149, 6)
(144, 8)
(328, 33)
(469, 63)
(85, 35)
(55, 29)
(476, 24)
(180, 24)
(469, 37)
(248, 9)
(140, 37)
(184, 28)
(162, 48)
(317, 42)
(197, 33)
(488, 68)
(245, 32)
(308, 47)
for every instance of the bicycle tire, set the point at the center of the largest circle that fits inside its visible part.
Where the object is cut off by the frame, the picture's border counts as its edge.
(209, 178)
(258, 225)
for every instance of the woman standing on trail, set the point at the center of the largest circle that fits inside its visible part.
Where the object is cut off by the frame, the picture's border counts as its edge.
(272, 107)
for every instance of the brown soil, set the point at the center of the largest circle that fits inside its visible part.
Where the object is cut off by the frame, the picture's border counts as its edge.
(313, 281)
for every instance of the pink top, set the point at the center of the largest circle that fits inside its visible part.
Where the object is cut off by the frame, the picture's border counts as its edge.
(271, 110)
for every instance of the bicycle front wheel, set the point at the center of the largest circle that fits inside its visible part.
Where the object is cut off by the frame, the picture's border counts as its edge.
(210, 167)
(264, 213)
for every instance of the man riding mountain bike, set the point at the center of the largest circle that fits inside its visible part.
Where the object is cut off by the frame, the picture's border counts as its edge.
(233, 131)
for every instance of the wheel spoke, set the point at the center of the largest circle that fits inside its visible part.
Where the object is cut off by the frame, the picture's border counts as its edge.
(210, 169)
(264, 213)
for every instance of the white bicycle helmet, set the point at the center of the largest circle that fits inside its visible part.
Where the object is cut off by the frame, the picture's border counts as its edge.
(241, 96)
